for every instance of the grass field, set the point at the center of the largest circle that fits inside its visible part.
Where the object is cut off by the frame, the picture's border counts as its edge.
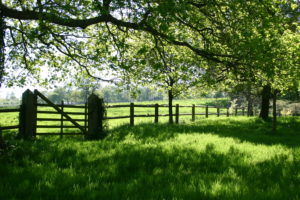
(215, 158)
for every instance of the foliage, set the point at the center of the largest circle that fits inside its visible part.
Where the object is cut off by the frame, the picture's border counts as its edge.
(166, 68)
(92, 36)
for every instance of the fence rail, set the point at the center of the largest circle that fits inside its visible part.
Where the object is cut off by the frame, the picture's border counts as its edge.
(61, 105)
(10, 110)
(177, 114)
(161, 105)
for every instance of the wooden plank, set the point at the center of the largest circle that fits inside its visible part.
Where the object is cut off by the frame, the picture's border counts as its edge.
(27, 116)
(62, 120)
(132, 114)
(56, 112)
(9, 127)
(95, 118)
(177, 114)
(59, 110)
(58, 120)
(193, 112)
(144, 106)
(60, 105)
(164, 115)
(144, 115)
(119, 117)
(86, 116)
(9, 110)
(156, 113)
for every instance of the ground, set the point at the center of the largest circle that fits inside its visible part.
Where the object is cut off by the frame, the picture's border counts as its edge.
(215, 158)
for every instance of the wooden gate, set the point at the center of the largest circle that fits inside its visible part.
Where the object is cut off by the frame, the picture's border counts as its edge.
(65, 116)
(31, 121)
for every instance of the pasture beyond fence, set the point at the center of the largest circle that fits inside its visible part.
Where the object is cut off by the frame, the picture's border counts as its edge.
(92, 115)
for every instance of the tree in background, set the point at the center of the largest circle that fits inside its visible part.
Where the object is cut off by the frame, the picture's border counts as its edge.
(170, 68)
(59, 94)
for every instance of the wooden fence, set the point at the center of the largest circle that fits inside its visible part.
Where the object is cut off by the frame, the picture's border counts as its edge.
(92, 116)
(193, 113)
(10, 110)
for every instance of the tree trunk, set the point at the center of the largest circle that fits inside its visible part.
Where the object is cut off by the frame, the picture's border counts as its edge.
(250, 101)
(2, 45)
(274, 127)
(170, 95)
(265, 103)
(250, 107)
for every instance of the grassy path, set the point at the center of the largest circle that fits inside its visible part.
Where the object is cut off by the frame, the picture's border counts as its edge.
(216, 158)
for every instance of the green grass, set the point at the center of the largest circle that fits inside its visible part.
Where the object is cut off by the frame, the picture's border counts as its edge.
(215, 158)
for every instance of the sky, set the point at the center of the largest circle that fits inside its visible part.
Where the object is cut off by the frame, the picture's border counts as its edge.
(17, 90)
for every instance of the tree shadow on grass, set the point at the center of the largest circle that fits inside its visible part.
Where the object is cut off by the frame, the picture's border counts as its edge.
(251, 130)
(48, 171)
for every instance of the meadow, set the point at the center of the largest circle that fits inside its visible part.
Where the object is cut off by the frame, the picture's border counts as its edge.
(214, 158)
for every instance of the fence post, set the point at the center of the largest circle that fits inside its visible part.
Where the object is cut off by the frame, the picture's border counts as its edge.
(96, 112)
(236, 111)
(193, 112)
(2, 142)
(85, 116)
(62, 120)
(27, 117)
(156, 113)
(218, 112)
(131, 114)
(227, 112)
(243, 111)
(177, 114)
(206, 111)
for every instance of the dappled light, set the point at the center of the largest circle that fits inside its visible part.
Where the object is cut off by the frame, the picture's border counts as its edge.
(231, 159)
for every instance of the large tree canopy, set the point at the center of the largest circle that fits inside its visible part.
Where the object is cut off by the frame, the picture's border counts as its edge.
(93, 35)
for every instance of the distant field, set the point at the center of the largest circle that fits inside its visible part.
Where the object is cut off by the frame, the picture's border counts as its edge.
(215, 158)
(7, 119)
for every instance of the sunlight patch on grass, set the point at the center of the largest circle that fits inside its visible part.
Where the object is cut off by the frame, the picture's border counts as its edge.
(215, 158)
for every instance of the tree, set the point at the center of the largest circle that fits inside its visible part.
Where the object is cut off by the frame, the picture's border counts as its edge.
(2, 47)
(59, 94)
(170, 68)
(88, 33)
(257, 35)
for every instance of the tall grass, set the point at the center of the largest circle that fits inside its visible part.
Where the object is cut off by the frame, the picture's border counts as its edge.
(215, 158)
